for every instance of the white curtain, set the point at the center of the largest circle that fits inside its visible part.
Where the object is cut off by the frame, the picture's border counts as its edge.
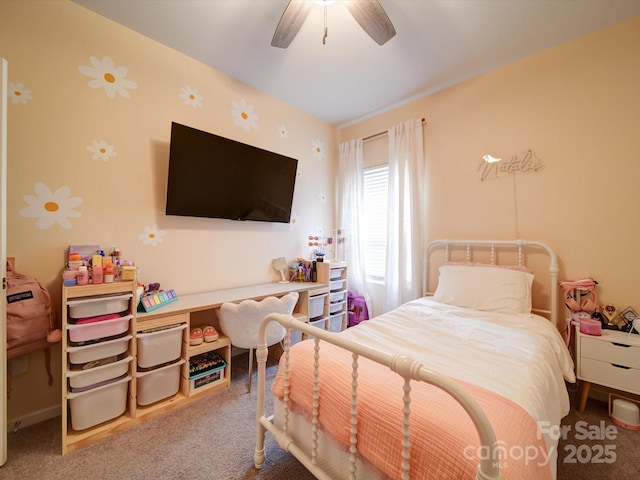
(406, 217)
(350, 193)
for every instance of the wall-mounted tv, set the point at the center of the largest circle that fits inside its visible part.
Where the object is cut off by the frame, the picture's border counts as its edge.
(215, 177)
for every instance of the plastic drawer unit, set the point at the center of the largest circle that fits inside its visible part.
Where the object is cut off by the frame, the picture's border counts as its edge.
(316, 306)
(97, 328)
(159, 346)
(158, 384)
(98, 351)
(80, 380)
(99, 305)
(99, 404)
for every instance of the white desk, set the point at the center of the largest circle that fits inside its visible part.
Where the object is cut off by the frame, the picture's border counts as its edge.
(196, 302)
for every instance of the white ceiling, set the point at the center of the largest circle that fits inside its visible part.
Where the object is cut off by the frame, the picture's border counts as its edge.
(438, 44)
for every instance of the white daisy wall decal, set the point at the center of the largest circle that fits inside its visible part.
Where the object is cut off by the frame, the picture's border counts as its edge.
(106, 75)
(295, 219)
(152, 236)
(51, 207)
(323, 197)
(283, 132)
(243, 115)
(190, 96)
(101, 151)
(318, 149)
(18, 94)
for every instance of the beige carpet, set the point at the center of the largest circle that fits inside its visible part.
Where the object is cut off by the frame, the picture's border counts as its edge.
(213, 439)
(594, 448)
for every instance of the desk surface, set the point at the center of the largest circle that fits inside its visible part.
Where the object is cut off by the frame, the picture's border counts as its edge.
(207, 300)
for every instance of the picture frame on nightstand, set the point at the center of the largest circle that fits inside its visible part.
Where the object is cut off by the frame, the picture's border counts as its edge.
(628, 315)
(610, 312)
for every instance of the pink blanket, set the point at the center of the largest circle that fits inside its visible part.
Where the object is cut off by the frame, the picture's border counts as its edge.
(444, 442)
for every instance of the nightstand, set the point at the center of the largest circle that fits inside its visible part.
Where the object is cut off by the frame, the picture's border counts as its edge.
(611, 360)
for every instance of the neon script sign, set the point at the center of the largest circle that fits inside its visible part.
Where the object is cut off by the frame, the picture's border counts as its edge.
(523, 162)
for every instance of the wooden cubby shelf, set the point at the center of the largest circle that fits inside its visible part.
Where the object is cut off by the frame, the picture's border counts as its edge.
(178, 312)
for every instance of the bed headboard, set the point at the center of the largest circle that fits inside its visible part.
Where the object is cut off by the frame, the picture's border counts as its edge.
(532, 254)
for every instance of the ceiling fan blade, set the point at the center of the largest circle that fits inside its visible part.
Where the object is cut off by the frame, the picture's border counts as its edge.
(292, 19)
(373, 19)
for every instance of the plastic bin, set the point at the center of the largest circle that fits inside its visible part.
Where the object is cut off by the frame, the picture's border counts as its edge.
(335, 297)
(210, 377)
(316, 305)
(335, 322)
(335, 273)
(319, 323)
(205, 362)
(91, 331)
(101, 305)
(160, 346)
(98, 351)
(99, 404)
(99, 384)
(322, 323)
(93, 376)
(336, 285)
(338, 307)
(158, 384)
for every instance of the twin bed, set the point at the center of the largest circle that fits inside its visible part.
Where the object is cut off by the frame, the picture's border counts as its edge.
(467, 382)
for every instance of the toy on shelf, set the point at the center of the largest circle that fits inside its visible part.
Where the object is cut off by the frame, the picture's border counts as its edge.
(154, 298)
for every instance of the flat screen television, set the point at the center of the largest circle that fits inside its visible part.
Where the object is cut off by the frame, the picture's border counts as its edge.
(215, 177)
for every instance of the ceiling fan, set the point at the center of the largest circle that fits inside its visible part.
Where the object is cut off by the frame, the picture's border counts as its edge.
(368, 13)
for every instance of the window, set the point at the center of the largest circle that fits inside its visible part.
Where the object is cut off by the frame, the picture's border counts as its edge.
(375, 221)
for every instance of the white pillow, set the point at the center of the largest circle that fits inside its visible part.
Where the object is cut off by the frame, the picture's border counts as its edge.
(485, 287)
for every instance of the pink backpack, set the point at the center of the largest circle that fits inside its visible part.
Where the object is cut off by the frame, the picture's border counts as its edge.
(31, 319)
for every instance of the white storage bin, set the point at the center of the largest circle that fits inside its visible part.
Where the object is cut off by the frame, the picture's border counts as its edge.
(211, 377)
(316, 305)
(318, 324)
(160, 346)
(102, 305)
(92, 376)
(338, 296)
(99, 404)
(335, 273)
(335, 322)
(158, 384)
(337, 307)
(335, 285)
(98, 351)
(92, 331)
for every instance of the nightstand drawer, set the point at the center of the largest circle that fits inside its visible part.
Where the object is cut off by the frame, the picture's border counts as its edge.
(610, 375)
(610, 352)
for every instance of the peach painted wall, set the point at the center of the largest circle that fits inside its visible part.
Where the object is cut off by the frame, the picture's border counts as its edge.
(577, 106)
(55, 117)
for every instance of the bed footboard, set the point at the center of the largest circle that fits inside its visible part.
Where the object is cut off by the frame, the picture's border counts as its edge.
(488, 468)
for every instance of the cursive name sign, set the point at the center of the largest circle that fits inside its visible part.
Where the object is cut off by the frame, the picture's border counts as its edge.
(519, 162)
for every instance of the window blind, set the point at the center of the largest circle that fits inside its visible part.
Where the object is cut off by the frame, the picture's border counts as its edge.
(375, 220)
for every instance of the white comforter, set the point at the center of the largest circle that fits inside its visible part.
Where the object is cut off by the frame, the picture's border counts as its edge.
(521, 357)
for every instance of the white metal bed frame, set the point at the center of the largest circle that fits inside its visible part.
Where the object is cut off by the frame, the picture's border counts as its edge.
(494, 246)
(406, 367)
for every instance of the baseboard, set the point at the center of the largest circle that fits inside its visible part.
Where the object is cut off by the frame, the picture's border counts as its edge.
(14, 424)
